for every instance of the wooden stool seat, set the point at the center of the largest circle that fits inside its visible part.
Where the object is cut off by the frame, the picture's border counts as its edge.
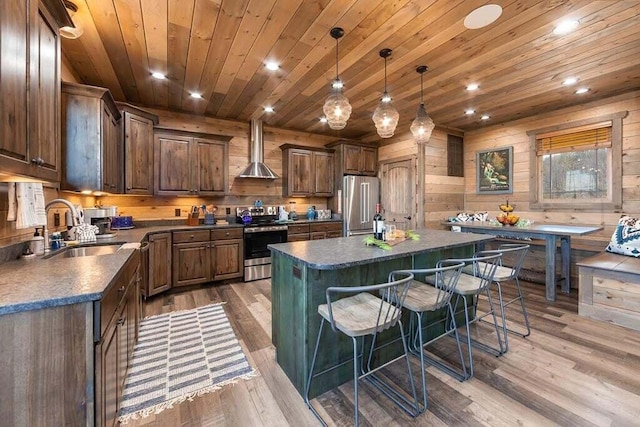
(467, 283)
(422, 297)
(357, 315)
(502, 273)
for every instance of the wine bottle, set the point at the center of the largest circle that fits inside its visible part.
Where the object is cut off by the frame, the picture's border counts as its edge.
(378, 224)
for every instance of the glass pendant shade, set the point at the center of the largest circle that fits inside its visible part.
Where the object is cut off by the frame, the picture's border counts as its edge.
(422, 125)
(337, 108)
(385, 117)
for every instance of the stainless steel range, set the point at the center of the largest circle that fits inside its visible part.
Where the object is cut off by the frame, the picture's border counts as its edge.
(260, 230)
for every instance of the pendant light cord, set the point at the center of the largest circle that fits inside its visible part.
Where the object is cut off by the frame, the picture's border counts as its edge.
(385, 74)
(421, 89)
(337, 74)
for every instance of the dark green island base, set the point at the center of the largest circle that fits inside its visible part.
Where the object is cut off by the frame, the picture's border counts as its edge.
(301, 273)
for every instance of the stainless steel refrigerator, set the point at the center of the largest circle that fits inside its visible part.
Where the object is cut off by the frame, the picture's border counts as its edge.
(359, 197)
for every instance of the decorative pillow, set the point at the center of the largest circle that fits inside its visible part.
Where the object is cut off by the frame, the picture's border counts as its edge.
(626, 237)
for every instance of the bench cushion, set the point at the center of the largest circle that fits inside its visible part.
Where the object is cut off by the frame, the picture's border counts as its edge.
(626, 237)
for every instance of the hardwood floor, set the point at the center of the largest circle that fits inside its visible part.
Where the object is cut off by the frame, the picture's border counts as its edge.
(571, 371)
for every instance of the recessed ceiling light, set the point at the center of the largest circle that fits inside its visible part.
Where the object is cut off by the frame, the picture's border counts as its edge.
(268, 109)
(565, 27)
(473, 86)
(570, 81)
(195, 95)
(273, 66)
(469, 112)
(482, 16)
(485, 117)
(157, 75)
(323, 120)
(582, 90)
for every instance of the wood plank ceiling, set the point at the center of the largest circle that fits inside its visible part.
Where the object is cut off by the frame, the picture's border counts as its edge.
(219, 48)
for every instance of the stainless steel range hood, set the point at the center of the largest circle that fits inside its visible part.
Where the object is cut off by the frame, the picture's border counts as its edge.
(257, 168)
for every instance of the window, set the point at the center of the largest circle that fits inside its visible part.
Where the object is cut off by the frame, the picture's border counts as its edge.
(578, 165)
(454, 156)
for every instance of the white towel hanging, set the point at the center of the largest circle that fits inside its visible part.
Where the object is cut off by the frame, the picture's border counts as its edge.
(26, 204)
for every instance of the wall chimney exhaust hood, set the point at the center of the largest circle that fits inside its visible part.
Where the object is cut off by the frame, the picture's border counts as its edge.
(257, 168)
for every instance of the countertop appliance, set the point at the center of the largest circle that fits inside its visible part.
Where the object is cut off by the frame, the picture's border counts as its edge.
(260, 231)
(101, 217)
(359, 197)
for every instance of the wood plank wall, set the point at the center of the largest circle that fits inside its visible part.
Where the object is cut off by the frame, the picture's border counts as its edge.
(515, 134)
(442, 194)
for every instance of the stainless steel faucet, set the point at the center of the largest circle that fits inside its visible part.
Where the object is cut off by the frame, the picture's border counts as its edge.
(75, 218)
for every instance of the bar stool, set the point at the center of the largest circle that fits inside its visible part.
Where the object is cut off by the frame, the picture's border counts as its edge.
(423, 298)
(362, 315)
(472, 286)
(518, 254)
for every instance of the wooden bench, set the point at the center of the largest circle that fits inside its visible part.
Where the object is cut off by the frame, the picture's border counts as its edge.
(609, 289)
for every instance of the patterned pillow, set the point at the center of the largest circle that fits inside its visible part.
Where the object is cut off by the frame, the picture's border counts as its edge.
(626, 237)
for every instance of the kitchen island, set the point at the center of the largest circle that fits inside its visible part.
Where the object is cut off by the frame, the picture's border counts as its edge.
(301, 273)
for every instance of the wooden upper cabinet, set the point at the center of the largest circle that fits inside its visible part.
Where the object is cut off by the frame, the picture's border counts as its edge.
(298, 165)
(30, 88)
(307, 171)
(188, 165)
(369, 161)
(210, 171)
(172, 158)
(354, 159)
(323, 173)
(90, 139)
(137, 134)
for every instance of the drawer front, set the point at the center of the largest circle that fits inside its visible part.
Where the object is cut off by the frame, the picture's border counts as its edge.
(318, 236)
(334, 234)
(326, 226)
(227, 234)
(111, 299)
(190, 236)
(297, 237)
(298, 229)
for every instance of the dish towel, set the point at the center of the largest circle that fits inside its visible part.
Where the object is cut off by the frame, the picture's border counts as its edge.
(26, 204)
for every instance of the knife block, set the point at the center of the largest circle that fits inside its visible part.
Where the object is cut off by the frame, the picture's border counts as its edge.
(192, 219)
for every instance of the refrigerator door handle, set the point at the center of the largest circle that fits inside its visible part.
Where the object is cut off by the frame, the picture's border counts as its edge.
(364, 188)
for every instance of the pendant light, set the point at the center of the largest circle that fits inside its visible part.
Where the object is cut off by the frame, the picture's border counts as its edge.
(385, 117)
(337, 108)
(422, 125)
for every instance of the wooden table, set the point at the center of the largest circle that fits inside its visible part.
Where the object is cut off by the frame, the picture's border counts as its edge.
(550, 233)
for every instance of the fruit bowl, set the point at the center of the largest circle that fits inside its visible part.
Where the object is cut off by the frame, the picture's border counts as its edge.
(508, 219)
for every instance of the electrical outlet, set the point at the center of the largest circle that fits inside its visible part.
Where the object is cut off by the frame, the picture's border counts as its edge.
(177, 212)
(56, 219)
(228, 211)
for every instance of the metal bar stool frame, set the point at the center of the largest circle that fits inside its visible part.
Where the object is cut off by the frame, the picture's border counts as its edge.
(504, 274)
(484, 265)
(446, 275)
(392, 295)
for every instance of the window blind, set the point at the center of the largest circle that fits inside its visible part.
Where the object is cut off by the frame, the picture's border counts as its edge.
(593, 136)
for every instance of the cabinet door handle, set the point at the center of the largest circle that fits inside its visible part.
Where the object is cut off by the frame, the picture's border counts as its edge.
(128, 188)
(121, 289)
(192, 236)
(121, 321)
(37, 161)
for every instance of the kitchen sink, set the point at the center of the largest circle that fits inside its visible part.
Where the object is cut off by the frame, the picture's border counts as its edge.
(75, 252)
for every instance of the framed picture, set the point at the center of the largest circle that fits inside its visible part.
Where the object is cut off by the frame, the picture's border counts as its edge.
(495, 171)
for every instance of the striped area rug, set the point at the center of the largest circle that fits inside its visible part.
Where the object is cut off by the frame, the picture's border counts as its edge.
(179, 356)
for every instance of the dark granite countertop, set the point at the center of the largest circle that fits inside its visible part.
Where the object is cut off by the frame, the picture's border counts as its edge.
(40, 282)
(333, 254)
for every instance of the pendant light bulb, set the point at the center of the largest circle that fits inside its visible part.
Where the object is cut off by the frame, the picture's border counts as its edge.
(385, 117)
(422, 125)
(336, 107)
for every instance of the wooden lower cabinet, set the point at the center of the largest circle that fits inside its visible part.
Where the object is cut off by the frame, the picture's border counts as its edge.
(226, 259)
(191, 263)
(202, 256)
(314, 231)
(114, 351)
(159, 264)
